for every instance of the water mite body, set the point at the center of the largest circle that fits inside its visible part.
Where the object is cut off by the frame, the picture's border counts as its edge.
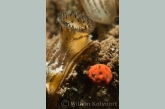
(100, 74)
(73, 40)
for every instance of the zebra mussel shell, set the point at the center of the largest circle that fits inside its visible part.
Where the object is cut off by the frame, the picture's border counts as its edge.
(101, 11)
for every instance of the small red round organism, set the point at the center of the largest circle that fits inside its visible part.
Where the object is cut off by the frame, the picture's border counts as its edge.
(100, 74)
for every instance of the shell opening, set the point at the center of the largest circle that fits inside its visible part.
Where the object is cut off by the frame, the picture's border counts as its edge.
(76, 21)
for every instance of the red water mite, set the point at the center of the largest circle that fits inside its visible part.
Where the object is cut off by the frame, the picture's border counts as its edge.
(100, 74)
